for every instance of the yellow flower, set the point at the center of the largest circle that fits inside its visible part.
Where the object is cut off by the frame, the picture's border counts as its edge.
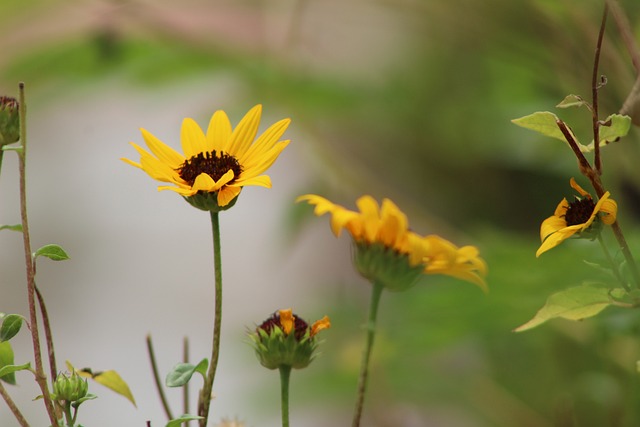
(580, 217)
(216, 165)
(387, 251)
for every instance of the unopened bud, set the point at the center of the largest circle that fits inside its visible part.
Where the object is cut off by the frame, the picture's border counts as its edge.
(9, 120)
(70, 389)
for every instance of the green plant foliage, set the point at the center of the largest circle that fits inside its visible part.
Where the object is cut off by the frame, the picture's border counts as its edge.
(575, 303)
(6, 361)
(53, 252)
(543, 122)
(177, 422)
(9, 370)
(11, 325)
(16, 227)
(572, 101)
(182, 373)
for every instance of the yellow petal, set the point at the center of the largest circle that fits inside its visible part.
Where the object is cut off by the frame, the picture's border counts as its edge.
(286, 320)
(192, 138)
(204, 182)
(131, 162)
(319, 325)
(226, 194)
(577, 187)
(562, 207)
(219, 132)
(610, 208)
(261, 181)
(556, 238)
(550, 226)
(258, 164)
(370, 216)
(162, 151)
(265, 142)
(186, 192)
(244, 134)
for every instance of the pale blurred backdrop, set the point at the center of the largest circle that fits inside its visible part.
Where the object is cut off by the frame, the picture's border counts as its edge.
(407, 99)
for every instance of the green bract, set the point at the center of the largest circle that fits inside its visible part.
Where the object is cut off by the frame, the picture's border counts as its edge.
(275, 348)
(381, 264)
(70, 389)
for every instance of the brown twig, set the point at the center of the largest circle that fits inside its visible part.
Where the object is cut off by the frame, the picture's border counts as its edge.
(41, 377)
(12, 406)
(595, 86)
(156, 378)
(53, 369)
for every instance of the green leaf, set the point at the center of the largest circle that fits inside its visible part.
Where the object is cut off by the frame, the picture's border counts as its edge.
(16, 227)
(6, 359)
(10, 369)
(572, 101)
(575, 303)
(618, 126)
(53, 252)
(88, 396)
(182, 372)
(177, 422)
(542, 122)
(11, 325)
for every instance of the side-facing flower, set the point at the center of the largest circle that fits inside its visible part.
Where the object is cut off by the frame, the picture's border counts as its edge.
(284, 339)
(388, 252)
(9, 120)
(580, 218)
(215, 166)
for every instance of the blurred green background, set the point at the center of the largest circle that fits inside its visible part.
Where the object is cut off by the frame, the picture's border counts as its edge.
(406, 99)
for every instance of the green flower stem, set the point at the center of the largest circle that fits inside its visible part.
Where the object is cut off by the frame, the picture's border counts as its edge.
(285, 373)
(67, 414)
(12, 406)
(185, 388)
(614, 267)
(156, 378)
(41, 377)
(364, 367)
(204, 400)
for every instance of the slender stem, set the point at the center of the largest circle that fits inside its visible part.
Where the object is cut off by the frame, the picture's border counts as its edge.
(185, 388)
(12, 406)
(285, 373)
(1, 158)
(53, 369)
(156, 378)
(67, 414)
(364, 367)
(595, 86)
(204, 400)
(614, 267)
(41, 377)
(584, 165)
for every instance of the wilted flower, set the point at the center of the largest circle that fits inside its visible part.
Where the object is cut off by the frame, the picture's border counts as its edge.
(284, 339)
(580, 218)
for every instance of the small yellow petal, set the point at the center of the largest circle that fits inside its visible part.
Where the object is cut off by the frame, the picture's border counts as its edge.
(319, 325)
(226, 194)
(219, 132)
(286, 320)
(204, 182)
(577, 187)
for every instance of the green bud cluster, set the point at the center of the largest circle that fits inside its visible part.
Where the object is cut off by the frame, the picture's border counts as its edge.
(380, 264)
(9, 120)
(70, 388)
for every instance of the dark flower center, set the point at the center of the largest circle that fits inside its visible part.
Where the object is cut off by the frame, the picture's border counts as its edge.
(579, 211)
(300, 327)
(212, 163)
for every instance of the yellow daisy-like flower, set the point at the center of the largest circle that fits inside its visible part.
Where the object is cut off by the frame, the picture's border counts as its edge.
(387, 251)
(216, 165)
(581, 217)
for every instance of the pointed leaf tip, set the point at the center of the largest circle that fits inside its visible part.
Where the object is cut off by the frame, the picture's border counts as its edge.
(53, 252)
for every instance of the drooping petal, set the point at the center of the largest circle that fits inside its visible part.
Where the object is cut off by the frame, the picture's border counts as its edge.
(550, 226)
(579, 189)
(244, 134)
(219, 132)
(192, 138)
(610, 208)
(319, 325)
(558, 237)
(226, 194)
(186, 192)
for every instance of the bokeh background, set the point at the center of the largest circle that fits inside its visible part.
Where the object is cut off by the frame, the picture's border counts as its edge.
(406, 99)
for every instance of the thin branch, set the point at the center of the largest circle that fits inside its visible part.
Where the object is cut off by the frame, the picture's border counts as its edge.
(156, 378)
(185, 388)
(53, 369)
(595, 86)
(12, 406)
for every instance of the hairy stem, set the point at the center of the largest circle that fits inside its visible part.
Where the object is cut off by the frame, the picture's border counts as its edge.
(12, 407)
(364, 367)
(156, 378)
(185, 388)
(595, 86)
(41, 377)
(204, 400)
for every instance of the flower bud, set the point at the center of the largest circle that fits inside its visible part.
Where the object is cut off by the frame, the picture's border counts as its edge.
(284, 339)
(9, 120)
(70, 389)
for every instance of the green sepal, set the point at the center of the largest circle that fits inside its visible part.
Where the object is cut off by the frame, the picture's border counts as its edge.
(11, 325)
(181, 373)
(208, 202)
(275, 349)
(6, 359)
(177, 422)
(52, 251)
(15, 227)
(575, 303)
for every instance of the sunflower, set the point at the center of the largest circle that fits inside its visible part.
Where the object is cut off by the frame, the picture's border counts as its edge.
(386, 249)
(581, 217)
(216, 165)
